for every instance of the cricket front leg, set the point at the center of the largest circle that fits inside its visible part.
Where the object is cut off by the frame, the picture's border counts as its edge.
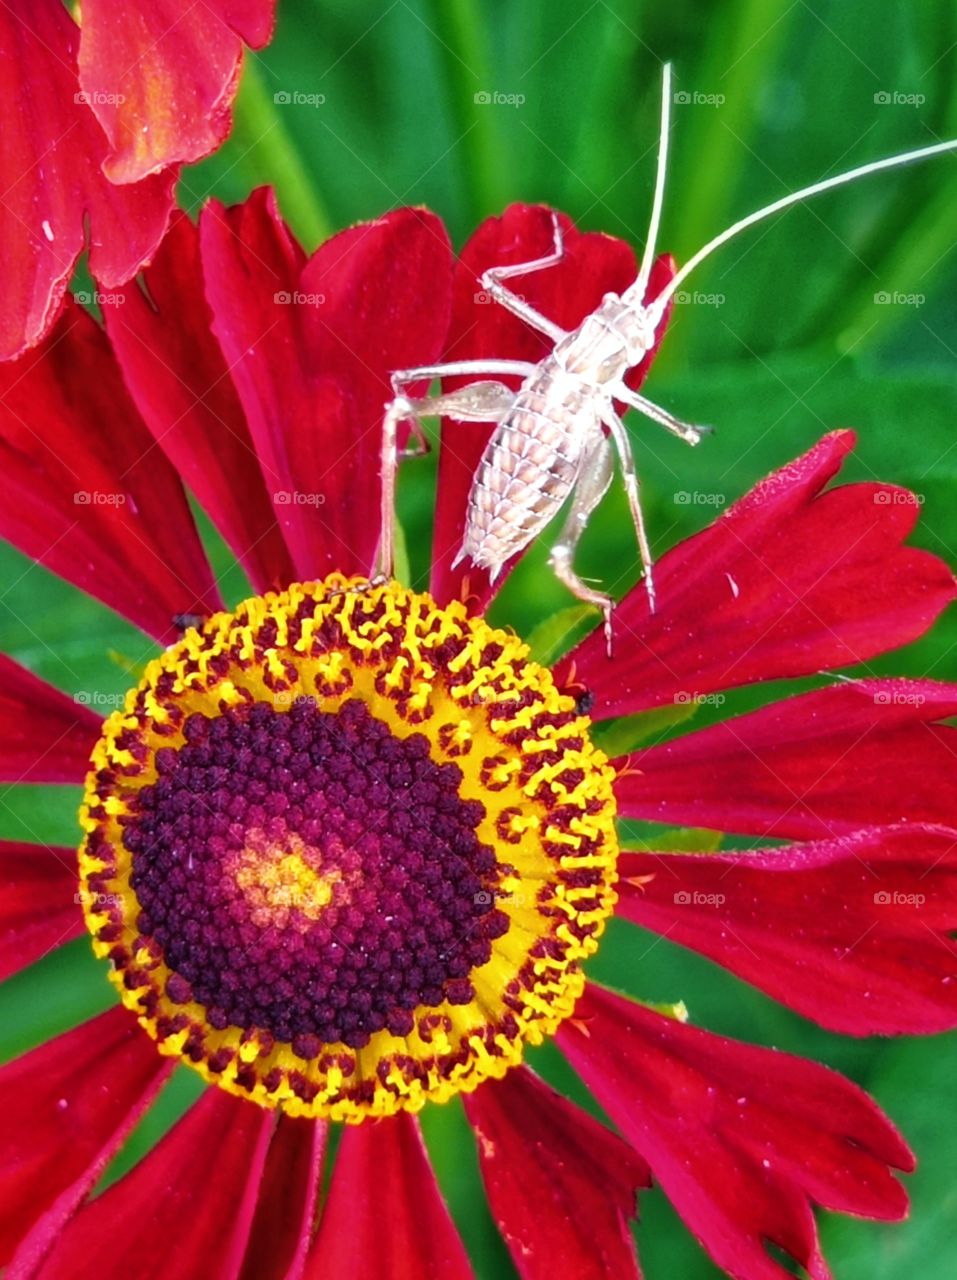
(597, 468)
(492, 282)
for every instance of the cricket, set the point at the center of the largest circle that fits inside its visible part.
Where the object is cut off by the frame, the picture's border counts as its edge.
(556, 437)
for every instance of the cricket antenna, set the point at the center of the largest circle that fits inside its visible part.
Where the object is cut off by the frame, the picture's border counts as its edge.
(637, 290)
(657, 308)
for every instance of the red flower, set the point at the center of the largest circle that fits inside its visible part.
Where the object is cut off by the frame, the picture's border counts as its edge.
(263, 392)
(116, 106)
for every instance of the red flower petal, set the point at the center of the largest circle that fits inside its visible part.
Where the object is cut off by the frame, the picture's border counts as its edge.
(282, 1227)
(44, 735)
(820, 764)
(561, 1186)
(52, 179)
(852, 932)
(178, 378)
(594, 264)
(742, 1139)
(385, 1207)
(85, 490)
(184, 1210)
(784, 584)
(66, 1108)
(311, 349)
(38, 908)
(138, 57)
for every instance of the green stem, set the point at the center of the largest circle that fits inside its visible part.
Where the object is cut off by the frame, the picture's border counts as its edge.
(912, 268)
(261, 137)
(737, 62)
(463, 51)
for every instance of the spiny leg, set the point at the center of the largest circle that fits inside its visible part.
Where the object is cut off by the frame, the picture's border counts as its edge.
(622, 444)
(492, 283)
(683, 430)
(594, 477)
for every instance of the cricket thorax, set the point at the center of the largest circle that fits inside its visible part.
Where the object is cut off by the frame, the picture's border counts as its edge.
(606, 344)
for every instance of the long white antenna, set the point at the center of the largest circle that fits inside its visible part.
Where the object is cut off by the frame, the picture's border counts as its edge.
(657, 308)
(637, 290)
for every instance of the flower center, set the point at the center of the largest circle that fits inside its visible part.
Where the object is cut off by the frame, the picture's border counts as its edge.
(317, 839)
(346, 850)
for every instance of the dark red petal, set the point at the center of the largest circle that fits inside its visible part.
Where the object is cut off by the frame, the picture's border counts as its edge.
(743, 1140)
(385, 1209)
(179, 380)
(139, 58)
(85, 490)
(311, 349)
(282, 1227)
(820, 764)
(852, 932)
(44, 735)
(184, 1210)
(561, 1186)
(66, 1108)
(784, 584)
(593, 265)
(52, 181)
(38, 904)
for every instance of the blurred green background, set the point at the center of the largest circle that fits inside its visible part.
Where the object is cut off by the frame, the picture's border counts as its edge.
(840, 314)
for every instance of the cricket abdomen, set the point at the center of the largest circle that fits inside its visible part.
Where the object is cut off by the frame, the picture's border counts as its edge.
(529, 467)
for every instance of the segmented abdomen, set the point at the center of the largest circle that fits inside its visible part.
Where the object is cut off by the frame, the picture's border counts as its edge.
(528, 467)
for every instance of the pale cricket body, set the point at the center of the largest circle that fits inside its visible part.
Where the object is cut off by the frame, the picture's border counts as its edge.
(549, 443)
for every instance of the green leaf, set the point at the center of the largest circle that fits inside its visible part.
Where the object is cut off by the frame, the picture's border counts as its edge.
(680, 840)
(560, 632)
(914, 1081)
(618, 737)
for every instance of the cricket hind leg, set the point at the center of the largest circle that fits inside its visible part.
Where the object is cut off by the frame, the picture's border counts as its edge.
(594, 477)
(619, 436)
(477, 402)
(492, 282)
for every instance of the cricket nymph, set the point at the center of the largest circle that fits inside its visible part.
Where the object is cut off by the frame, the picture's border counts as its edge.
(534, 459)
(555, 439)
